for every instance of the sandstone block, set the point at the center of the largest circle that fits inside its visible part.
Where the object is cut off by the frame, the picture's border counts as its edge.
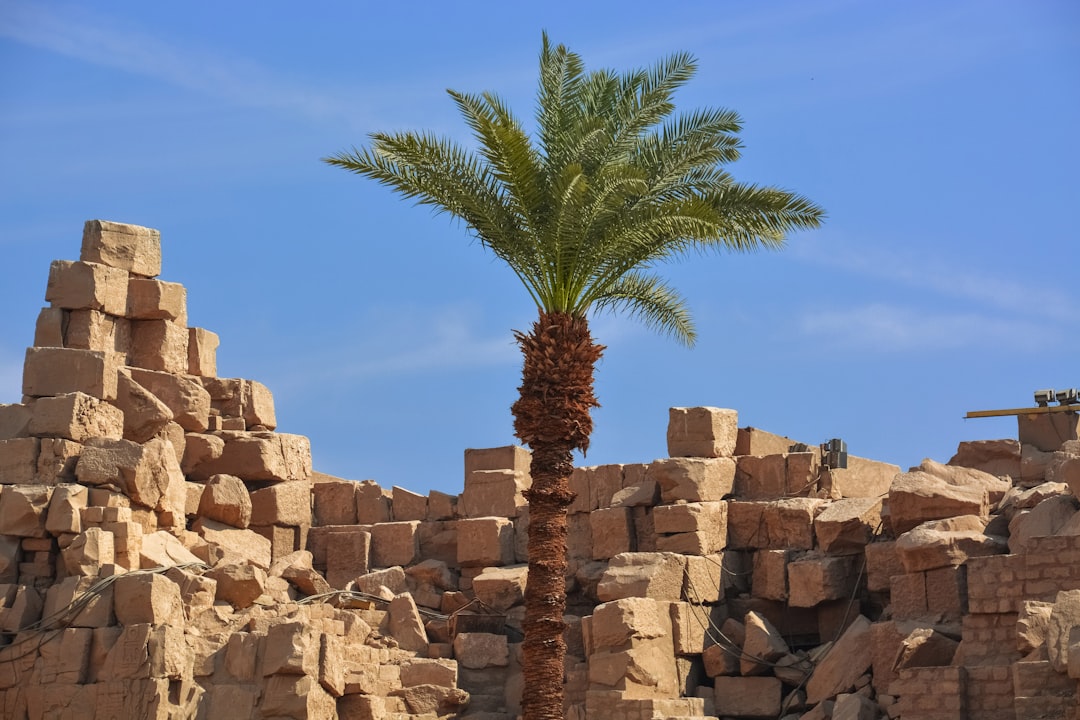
(941, 543)
(14, 421)
(87, 286)
(156, 300)
(702, 432)
(846, 526)
(501, 588)
(749, 696)
(56, 461)
(22, 510)
(1049, 517)
(394, 543)
(405, 624)
(862, 478)
(372, 503)
(762, 644)
(334, 502)
(392, 579)
(649, 575)
(184, 396)
(162, 549)
(816, 578)
(509, 457)
(692, 625)
(612, 532)
(149, 474)
(65, 505)
(348, 554)
(442, 506)
(19, 461)
(997, 457)
(968, 477)
(238, 584)
(291, 648)
(485, 541)
(260, 456)
(770, 477)
(481, 650)
(691, 528)
(245, 400)
(225, 498)
(235, 545)
(159, 345)
(89, 552)
(94, 330)
(645, 493)
(915, 497)
(1048, 432)
(770, 579)
(493, 493)
(49, 328)
(283, 504)
(703, 579)
(202, 352)
(144, 414)
(76, 416)
(151, 599)
(20, 607)
(408, 505)
(615, 625)
(882, 563)
(93, 610)
(56, 371)
(776, 525)
(842, 666)
(128, 247)
(1064, 616)
(693, 479)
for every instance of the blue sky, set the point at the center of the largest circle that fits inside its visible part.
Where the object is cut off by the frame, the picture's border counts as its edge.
(940, 137)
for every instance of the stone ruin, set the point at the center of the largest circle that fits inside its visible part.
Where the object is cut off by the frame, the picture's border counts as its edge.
(164, 553)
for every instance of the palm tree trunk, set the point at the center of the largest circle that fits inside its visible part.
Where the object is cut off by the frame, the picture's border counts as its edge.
(552, 418)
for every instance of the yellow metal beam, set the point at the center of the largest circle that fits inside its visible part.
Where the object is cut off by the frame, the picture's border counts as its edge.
(1023, 411)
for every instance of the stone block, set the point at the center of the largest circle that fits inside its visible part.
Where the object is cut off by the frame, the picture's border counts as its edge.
(846, 526)
(183, 395)
(334, 501)
(408, 505)
(235, 545)
(87, 286)
(14, 421)
(373, 503)
(89, 552)
(816, 578)
(144, 414)
(162, 549)
(259, 456)
(76, 416)
(612, 532)
(693, 627)
(769, 477)
(94, 610)
(238, 583)
(56, 461)
(148, 474)
(65, 506)
(1048, 432)
(128, 247)
(941, 543)
(748, 696)
(94, 330)
(19, 460)
(225, 498)
(691, 528)
(202, 352)
(156, 300)
(159, 345)
(693, 479)
(775, 525)
(442, 506)
(493, 493)
(405, 624)
(1049, 517)
(882, 563)
(22, 510)
(56, 371)
(151, 599)
(348, 554)
(997, 457)
(394, 543)
(643, 574)
(915, 497)
(703, 580)
(284, 539)
(843, 664)
(241, 399)
(770, 579)
(392, 579)
(967, 477)
(509, 457)
(862, 478)
(702, 432)
(49, 328)
(282, 504)
(485, 541)
(762, 645)
(20, 607)
(477, 651)
(501, 588)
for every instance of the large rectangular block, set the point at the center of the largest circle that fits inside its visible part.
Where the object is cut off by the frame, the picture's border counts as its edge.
(490, 493)
(1049, 431)
(334, 500)
(372, 503)
(394, 543)
(49, 328)
(93, 330)
(485, 541)
(754, 441)
(185, 397)
(18, 460)
(129, 247)
(282, 504)
(693, 479)
(815, 578)
(508, 457)
(76, 416)
(202, 352)
(861, 478)
(702, 432)
(246, 399)
(56, 371)
(769, 477)
(348, 555)
(159, 345)
(612, 532)
(56, 461)
(259, 456)
(87, 286)
(691, 528)
(14, 421)
(777, 525)
(748, 696)
(156, 300)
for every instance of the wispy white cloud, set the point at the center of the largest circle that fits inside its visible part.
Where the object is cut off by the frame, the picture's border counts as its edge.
(884, 328)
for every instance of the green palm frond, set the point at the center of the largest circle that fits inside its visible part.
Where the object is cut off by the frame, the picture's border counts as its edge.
(613, 183)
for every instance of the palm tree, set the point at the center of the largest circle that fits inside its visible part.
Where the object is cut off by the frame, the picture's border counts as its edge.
(613, 183)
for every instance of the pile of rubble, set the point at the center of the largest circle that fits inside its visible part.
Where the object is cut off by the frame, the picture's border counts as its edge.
(164, 553)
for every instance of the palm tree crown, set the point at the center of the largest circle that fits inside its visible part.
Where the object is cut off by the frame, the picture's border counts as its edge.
(613, 183)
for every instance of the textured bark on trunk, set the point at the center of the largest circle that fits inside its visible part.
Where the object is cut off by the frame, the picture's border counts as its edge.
(552, 418)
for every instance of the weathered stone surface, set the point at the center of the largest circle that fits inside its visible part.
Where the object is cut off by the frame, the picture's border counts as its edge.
(202, 352)
(372, 503)
(394, 543)
(862, 478)
(408, 505)
(149, 598)
(149, 474)
(776, 525)
(702, 432)
(20, 607)
(845, 662)
(89, 552)
(1032, 623)
(693, 479)
(1047, 432)
(481, 650)
(238, 584)
(235, 545)
(65, 506)
(94, 610)
(925, 647)
(493, 493)
(648, 575)
(612, 532)
(1064, 616)
(749, 696)
(348, 555)
(762, 645)
(691, 528)
(162, 549)
(56, 461)
(997, 457)
(915, 497)
(334, 500)
(56, 371)
(283, 504)
(156, 300)
(246, 400)
(128, 247)
(405, 624)
(501, 588)
(393, 579)
(770, 477)
(770, 579)
(1047, 518)
(183, 395)
(485, 541)
(22, 510)
(76, 416)
(87, 285)
(159, 345)
(19, 460)
(14, 421)
(260, 456)
(846, 526)
(93, 330)
(225, 498)
(967, 477)
(941, 543)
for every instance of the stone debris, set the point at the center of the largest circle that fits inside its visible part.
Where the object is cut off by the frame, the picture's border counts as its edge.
(165, 553)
